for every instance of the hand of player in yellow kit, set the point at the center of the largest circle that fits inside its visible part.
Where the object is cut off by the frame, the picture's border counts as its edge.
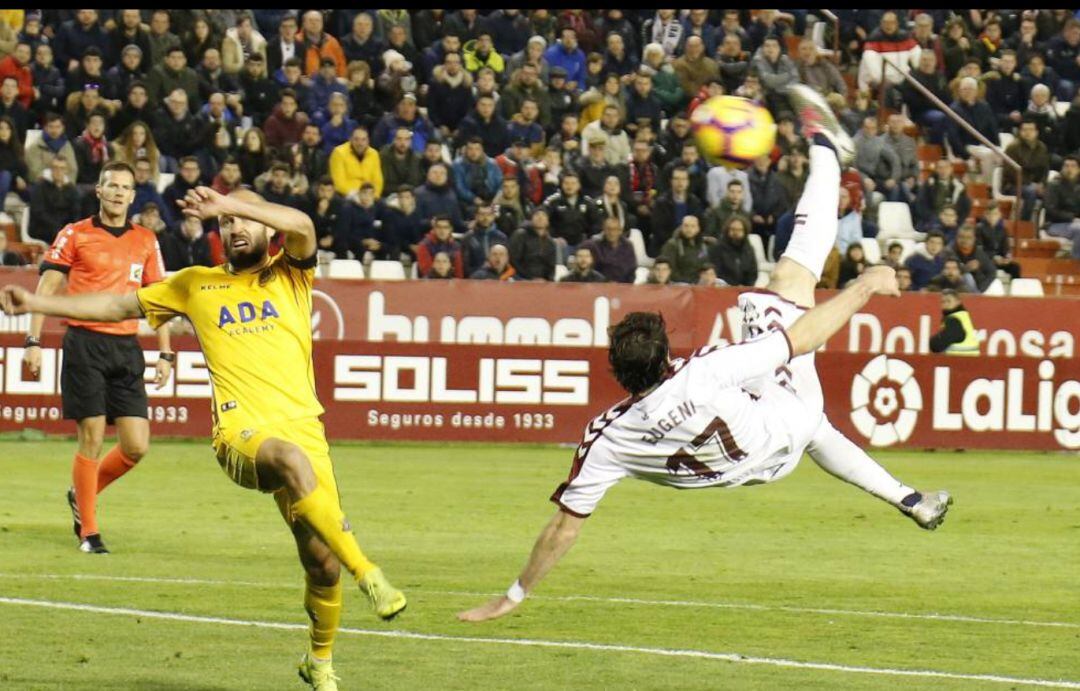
(15, 300)
(204, 202)
(493, 609)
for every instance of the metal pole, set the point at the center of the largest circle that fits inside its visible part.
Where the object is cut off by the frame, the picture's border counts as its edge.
(828, 14)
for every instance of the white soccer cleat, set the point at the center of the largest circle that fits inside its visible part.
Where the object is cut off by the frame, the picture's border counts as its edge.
(816, 117)
(930, 511)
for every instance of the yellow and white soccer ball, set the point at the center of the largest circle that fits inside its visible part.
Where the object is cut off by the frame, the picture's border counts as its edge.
(732, 131)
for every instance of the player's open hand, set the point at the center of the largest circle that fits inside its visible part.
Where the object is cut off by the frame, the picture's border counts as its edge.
(203, 202)
(15, 300)
(881, 279)
(494, 609)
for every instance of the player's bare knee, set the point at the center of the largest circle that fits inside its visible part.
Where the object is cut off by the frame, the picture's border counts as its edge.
(324, 571)
(135, 450)
(91, 441)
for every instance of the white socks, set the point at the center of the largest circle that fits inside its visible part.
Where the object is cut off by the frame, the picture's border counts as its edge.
(815, 216)
(841, 457)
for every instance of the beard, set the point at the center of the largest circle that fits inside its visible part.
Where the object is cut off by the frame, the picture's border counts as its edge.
(253, 255)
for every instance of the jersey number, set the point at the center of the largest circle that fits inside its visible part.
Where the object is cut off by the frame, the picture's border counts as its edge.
(684, 459)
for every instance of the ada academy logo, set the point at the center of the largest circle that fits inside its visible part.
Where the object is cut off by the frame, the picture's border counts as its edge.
(885, 401)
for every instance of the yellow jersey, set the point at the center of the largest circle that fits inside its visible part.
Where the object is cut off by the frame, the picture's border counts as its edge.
(255, 333)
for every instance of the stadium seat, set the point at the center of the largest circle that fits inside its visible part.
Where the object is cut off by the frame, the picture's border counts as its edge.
(1006, 139)
(762, 279)
(871, 250)
(997, 288)
(894, 221)
(387, 270)
(414, 271)
(638, 241)
(346, 268)
(24, 229)
(164, 180)
(995, 183)
(1026, 287)
(560, 271)
(32, 138)
(1061, 107)
(641, 275)
(759, 252)
(817, 34)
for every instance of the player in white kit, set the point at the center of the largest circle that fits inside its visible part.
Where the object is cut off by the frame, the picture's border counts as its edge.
(736, 415)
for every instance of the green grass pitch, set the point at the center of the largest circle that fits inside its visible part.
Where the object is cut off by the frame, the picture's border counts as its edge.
(807, 570)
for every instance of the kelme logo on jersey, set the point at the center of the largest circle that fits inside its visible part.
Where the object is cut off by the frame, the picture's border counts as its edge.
(246, 312)
(885, 401)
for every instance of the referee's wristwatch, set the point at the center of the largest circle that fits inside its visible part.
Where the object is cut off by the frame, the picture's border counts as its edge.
(32, 342)
(167, 357)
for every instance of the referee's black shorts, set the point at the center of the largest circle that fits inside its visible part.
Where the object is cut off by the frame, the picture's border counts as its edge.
(102, 375)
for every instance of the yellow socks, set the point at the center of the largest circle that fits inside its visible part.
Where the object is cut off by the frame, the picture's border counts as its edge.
(321, 512)
(323, 605)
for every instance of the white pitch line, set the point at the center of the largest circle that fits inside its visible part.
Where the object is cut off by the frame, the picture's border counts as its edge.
(543, 643)
(961, 618)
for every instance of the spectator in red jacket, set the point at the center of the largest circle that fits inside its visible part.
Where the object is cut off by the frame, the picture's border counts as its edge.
(17, 65)
(286, 123)
(440, 239)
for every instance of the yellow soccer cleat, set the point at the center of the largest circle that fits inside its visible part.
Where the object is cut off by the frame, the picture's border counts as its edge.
(318, 673)
(386, 600)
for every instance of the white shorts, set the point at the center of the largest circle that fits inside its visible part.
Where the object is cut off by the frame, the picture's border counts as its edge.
(764, 311)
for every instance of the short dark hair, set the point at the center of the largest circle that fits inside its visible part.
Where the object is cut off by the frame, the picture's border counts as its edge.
(439, 218)
(638, 353)
(172, 50)
(732, 183)
(115, 165)
(895, 244)
(936, 234)
(1071, 157)
(230, 160)
(290, 93)
(280, 166)
(291, 62)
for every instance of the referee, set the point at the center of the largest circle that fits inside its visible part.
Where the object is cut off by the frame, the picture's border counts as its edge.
(103, 374)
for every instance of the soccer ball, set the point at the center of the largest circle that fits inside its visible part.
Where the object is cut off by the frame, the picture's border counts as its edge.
(732, 131)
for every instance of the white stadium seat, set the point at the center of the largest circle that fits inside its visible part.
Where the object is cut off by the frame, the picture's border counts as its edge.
(995, 184)
(32, 138)
(758, 247)
(387, 270)
(1026, 287)
(894, 221)
(762, 279)
(641, 275)
(638, 241)
(346, 268)
(560, 271)
(996, 288)
(871, 250)
(164, 180)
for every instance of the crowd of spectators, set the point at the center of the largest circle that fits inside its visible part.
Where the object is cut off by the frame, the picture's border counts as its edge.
(521, 145)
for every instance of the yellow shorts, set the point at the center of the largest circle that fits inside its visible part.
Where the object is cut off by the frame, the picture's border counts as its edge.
(236, 450)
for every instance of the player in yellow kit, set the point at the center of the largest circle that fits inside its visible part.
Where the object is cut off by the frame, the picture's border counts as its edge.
(253, 319)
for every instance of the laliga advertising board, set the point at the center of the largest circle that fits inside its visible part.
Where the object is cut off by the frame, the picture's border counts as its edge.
(485, 361)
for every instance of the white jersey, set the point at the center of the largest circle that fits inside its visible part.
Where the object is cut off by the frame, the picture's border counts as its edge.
(726, 416)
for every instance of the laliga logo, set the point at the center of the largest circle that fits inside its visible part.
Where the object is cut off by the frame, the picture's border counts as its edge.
(885, 401)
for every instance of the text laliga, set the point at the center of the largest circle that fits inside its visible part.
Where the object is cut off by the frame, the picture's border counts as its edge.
(496, 380)
(1002, 402)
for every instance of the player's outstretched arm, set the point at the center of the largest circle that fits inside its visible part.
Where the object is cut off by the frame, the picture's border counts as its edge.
(558, 536)
(815, 327)
(204, 203)
(103, 307)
